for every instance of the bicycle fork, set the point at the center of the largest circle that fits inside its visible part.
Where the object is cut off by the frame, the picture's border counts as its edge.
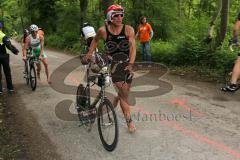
(109, 123)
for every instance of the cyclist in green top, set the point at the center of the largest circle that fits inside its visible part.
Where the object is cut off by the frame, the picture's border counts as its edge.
(36, 42)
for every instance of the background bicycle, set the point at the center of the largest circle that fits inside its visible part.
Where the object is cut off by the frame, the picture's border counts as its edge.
(30, 72)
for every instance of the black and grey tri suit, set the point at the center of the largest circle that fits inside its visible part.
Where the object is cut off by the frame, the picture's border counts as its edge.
(118, 44)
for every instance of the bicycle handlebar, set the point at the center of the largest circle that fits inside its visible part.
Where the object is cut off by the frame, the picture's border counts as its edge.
(83, 60)
(117, 59)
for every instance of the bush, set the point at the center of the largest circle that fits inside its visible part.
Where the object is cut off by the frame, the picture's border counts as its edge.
(192, 52)
(67, 40)
(70, 38)
(193, 55)
(77, 48)
(54, 41)
(163, 52)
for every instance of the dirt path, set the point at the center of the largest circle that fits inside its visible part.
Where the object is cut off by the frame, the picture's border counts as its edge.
(175, 118)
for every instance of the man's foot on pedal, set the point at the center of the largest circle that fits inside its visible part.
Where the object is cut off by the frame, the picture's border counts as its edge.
(230, 88)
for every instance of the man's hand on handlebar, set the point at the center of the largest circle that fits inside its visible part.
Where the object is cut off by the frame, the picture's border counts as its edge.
(86, 59)
(129, 67)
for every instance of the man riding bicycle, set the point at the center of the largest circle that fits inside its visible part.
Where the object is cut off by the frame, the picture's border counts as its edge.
(232, 86)
(88, 33)
(117, 33)
(36, 42)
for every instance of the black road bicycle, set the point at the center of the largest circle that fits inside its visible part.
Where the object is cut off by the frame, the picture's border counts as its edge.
(30, 72)
(101, 107)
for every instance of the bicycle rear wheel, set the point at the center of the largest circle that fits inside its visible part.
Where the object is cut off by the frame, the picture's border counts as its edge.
(82, 96)
(107, 125)
(85, 114)
(33, 78)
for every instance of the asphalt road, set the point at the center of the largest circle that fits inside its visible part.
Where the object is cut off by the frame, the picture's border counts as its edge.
(176, 118)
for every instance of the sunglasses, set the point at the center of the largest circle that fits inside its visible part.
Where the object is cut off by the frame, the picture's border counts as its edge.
(117, 15)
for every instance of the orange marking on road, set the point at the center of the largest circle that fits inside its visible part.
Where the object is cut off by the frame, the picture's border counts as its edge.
(194, 134)
(183, 103)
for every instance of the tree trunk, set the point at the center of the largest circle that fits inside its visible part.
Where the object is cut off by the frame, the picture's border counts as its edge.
(224, 21)
(83, 11)
(190, 5)
(21, 16)
(212, 22)
(179, 7)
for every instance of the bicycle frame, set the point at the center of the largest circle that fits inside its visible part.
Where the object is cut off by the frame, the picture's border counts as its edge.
(101, 76)
(30, 72)
(30, 57)
(101, 94)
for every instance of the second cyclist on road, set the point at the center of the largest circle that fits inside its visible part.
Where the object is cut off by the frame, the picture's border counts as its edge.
(36, 42)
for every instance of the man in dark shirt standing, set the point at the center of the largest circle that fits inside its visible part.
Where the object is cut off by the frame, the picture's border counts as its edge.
(4, 59)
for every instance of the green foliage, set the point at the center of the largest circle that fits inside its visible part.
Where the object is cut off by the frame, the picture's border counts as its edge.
(54, 41)
(65, 40)
(163, 52)
(180, 27)
(68, 17)
(191, 52)
(76, 48)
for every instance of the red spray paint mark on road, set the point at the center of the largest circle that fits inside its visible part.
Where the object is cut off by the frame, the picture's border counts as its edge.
(193, 134)
(185, 131)
(202, 138)
(183, 103)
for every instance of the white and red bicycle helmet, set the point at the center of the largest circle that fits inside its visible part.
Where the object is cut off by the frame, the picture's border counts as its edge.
(33, 28)
(113, 10)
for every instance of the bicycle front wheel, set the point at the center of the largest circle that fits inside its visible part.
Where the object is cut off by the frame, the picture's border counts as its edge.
(33, 78)
(107, 125)
(27, 72)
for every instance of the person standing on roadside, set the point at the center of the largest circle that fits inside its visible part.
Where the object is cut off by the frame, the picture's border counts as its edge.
(145, 34)
(4, 59)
